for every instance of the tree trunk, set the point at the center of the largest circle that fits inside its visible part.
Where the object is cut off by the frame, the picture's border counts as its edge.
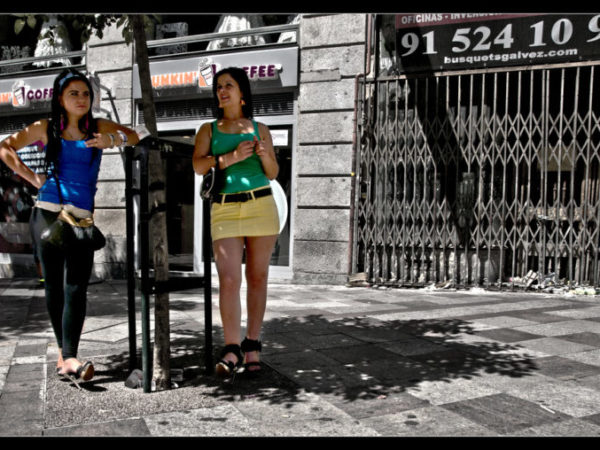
(158, 222)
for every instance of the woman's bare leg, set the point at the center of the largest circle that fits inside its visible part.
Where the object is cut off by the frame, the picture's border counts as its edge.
(228, 258)
(258, 257)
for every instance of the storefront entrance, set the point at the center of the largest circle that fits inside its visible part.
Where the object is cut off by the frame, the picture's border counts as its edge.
(481, 178)
(182, 198)
(479, 152)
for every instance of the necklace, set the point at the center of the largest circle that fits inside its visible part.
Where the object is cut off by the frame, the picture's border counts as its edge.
(70, 135)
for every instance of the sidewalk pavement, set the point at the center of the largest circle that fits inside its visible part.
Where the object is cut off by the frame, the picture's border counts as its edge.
(339, 361)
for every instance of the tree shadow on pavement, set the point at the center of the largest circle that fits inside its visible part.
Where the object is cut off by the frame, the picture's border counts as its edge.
(352, 358)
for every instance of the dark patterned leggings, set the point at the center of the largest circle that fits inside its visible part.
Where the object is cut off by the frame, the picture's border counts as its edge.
(66, 276)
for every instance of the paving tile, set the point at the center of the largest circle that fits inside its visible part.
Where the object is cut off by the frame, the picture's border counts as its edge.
(592, 381)
(323, 341)
(591, 357)
(451, 360)
(223, 420)
(507, 335)
(539, 316)
(317, 372)
(562, 328)
(555, 346)
(359, 308)
(505, 321)
(569, 427)
(28, 370)
(126, 427)
(433, 421)
(377, 331)
(503, 413)
(557, 396)
(470, 360)
(24, 350)
(586, 338)
(399, 372)
(414, 346)
(580, 313)
(371, 406)
(307, 415)
(358, 354)
(28, 360)
(14, 384)
(26, 405)
(21, 427)
(20, 293)
(280, 343)
(7, 349)
(449, 390)
(564, 368)
(107, 331)
(466, 340)
(594, 418)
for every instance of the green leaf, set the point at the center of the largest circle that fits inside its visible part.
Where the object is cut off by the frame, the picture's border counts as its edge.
(19, 24)
(128, 35)
(31, 21)
(85, 36)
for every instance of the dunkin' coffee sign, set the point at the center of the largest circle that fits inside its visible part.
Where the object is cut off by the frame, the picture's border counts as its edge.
(267, 69)
(36, 92)
(22, 95)
(203, 77)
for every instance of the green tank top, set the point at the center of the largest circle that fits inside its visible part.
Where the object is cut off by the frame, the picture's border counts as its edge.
(244, 175)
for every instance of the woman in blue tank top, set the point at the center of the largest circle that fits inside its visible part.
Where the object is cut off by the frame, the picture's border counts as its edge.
(73, 141)
(244, 215)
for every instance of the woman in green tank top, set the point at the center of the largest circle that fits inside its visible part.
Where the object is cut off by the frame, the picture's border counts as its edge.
(244, 215)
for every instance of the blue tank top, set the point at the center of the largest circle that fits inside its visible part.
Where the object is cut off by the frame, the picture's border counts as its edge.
(78, 175)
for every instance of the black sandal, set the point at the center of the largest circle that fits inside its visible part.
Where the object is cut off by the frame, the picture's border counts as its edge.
(224, 368)
(250, 345)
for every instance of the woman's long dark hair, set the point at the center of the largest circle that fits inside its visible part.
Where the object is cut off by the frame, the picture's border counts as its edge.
(241, 77)
(87, 124)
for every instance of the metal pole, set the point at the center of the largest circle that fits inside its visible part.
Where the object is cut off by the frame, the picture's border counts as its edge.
(130, 256)
(144, 254)
(206, 255)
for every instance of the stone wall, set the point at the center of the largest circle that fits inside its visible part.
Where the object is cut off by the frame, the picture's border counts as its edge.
(112, 60)
(332, 51)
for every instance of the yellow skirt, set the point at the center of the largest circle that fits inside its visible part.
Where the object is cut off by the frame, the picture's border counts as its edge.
(257, 217)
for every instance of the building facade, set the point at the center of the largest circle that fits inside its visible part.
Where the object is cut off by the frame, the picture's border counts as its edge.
(415, 149)
(303, 79)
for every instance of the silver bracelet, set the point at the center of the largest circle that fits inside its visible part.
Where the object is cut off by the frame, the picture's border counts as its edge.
(112, 139)
(123, 137)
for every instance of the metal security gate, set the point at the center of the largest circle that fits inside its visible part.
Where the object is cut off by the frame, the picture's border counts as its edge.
(479, 178)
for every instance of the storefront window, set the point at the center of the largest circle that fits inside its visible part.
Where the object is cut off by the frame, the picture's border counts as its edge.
(182, 80)
(16, 200)
(181, 197)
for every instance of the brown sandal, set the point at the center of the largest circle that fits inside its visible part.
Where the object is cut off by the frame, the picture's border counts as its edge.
(85, 372)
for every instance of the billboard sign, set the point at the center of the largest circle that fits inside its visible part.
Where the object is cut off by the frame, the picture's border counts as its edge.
(453, 41)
